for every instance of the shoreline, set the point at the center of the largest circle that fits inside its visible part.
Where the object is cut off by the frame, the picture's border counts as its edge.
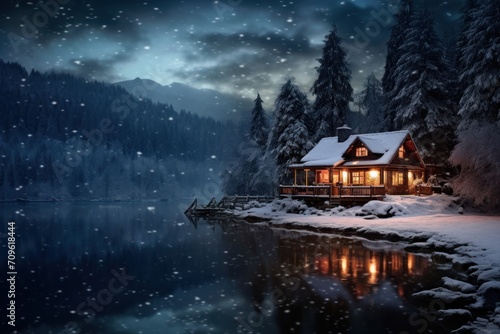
(471, 304)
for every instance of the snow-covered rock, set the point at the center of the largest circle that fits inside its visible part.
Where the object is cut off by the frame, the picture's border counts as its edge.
(462, 263)
(490, 291)
(457, 285)
(376, 208)
(496, 316)
(451, 299)
(491, 274)
(454, 318)
(441, 257)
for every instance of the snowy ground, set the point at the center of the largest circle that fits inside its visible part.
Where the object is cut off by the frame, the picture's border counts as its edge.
(469, 241)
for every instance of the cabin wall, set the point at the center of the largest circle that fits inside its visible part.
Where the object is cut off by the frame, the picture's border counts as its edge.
(397, 181)
(402, 181)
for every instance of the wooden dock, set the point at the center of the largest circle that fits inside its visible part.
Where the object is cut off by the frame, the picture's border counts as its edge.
(227, 202)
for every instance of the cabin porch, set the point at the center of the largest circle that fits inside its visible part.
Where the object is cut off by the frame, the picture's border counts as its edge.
(357, 184)
(335, 195)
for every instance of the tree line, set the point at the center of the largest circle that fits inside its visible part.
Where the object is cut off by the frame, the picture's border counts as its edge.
(62, 137)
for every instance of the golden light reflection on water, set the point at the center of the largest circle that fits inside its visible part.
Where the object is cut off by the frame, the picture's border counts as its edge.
(354, 263)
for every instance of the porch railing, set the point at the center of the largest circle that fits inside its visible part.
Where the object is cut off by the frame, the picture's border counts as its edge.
(305, 190)
(333, 191)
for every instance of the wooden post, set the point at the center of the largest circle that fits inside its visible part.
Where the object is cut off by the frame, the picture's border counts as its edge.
(295, 176)
(330, 195)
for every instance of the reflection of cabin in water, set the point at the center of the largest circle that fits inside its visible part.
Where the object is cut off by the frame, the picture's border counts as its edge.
(360, 268)
(359, 167)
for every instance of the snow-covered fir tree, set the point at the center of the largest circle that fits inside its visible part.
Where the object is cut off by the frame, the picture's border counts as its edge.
(370, 101)
(289, 140)
(402, 19)
(480, 66)
(420, 99)
(469, 11)
(241, 171)
(259, 129)
(245, 174)
(332, 87)
(477, 154)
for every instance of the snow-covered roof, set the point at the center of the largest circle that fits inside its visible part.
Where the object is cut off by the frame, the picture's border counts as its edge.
(329, 152)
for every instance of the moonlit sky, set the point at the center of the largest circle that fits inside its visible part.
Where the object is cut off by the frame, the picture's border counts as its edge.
(239, 47)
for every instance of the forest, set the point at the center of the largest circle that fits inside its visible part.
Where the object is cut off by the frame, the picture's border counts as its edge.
(444, 91)
(64, 138)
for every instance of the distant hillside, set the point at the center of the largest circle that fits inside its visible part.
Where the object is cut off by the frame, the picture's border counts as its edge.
(204, 102)
(64, 138)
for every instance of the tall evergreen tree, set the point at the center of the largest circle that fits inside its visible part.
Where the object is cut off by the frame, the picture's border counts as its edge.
(371, 102)
(420, 100)
(259, 129)
(450, 53)
(245, 174)
(240, 171)
(396, 39)
(477, 153)
(480, 66)
(332, 87)
(469, 11)
(289, 140)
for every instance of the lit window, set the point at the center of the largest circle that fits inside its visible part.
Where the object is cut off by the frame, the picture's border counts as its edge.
(358, 177)
(336, 177)
(401, 152)
(361, 152)
(323, 176)
(397, 179)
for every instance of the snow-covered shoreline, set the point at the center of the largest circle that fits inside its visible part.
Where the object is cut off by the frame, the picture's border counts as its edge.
(433, 225)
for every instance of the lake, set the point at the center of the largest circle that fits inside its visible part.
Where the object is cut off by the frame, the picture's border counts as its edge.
(145, 268)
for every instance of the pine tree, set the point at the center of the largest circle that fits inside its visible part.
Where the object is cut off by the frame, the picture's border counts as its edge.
(393, 54)
(240, 171)
(450, 53)
(332, 87)
(245, 174)
(420, 100)
(480, 66)
(289, 140)
(371, 102)
(469, 12)
(477, 154)
(259, 129)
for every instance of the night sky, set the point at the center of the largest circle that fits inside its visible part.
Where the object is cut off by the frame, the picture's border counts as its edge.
(235, 46)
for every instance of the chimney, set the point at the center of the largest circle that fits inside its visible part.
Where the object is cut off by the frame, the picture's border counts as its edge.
(343, 133)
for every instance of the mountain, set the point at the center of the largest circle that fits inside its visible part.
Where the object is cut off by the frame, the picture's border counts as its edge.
(204, 102)
(65, 138)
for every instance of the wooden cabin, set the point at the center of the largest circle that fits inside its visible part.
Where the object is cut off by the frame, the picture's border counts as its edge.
(361, 166)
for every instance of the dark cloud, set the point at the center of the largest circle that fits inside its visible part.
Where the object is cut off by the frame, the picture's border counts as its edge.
(49, 21)
(236, 45)
(98, 69)
(243, 59)
(214, 44)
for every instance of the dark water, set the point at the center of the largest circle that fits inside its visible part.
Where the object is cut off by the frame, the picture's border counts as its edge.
(145, 268)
